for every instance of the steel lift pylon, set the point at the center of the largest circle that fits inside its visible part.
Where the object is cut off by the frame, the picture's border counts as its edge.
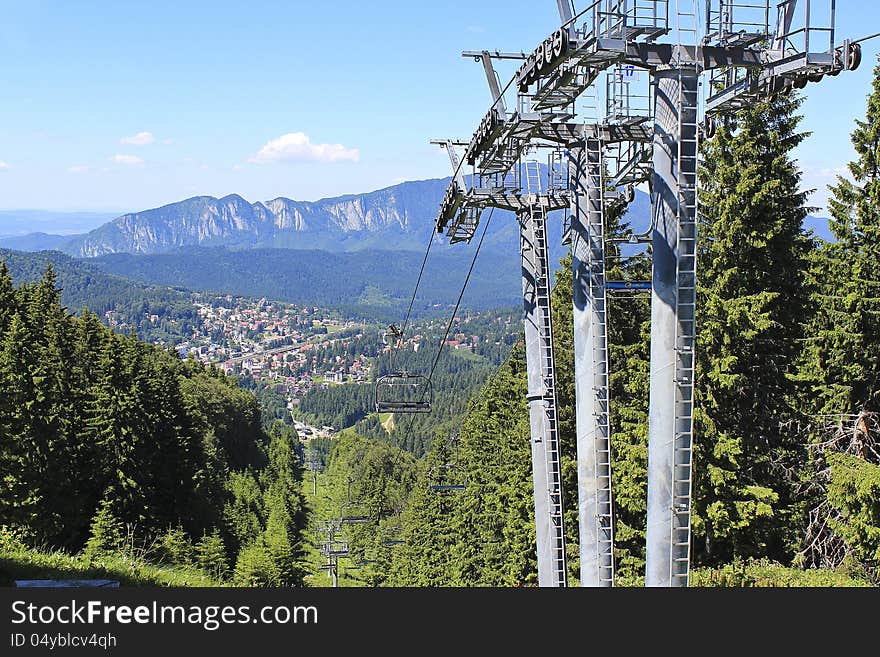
(752, 49)
(543, 408)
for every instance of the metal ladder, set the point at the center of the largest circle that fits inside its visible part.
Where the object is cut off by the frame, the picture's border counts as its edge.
(686, 284)
(548, 376)
(602, 442)
(532, 171)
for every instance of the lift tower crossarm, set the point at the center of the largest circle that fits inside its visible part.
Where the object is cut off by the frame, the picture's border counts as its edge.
(783, 23)
(570, 133)
(494, 83)
(450, 145)
(493, 54)
(566, 10)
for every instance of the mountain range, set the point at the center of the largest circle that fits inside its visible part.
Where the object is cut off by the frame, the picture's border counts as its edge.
(398, 218)
(395, 218)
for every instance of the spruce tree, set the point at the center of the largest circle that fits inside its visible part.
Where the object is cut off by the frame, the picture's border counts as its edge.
(841, 363)
(106, 534)
(20, 494)
(7, 298)
(843, 360)
(210, 554)
(752, 301)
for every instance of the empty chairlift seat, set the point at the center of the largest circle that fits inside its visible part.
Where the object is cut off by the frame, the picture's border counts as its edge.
(448, 478)
(403, 392)
(354, 512)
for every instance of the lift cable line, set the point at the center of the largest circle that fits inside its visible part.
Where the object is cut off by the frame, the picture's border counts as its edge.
(747, 58)
(442, 341)
(416, 288)
(409, 431)
(867, 38)
(460, 296)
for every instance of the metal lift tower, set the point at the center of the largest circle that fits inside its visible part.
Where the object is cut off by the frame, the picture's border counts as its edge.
(650, 135)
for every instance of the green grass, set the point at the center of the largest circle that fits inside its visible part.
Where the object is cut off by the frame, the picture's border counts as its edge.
(387, 422)
(467, 354)
(336, 328)
(19, 562)
(767, 574)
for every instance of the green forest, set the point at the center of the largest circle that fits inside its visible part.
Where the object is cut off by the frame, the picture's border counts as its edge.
(131, 303)
(116, 455)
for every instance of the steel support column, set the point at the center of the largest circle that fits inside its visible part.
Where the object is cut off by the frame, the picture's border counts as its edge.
(546, 470)
(670, 428)
(591, 365)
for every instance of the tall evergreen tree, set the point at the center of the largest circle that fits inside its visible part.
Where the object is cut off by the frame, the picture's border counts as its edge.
(843, 362)
(752, 301)
(19, 496)
(8, 300)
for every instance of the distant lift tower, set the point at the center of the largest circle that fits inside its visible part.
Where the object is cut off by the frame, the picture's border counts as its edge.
(648, 135)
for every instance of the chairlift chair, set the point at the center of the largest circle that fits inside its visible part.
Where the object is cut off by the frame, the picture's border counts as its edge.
(335, 549)
(354, 512)
(457, 483)
(402, 392)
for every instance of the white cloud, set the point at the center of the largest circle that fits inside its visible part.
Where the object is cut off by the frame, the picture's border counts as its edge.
(80, 168)
(297, 147)
(129, 160)
(832, 174)
(4, 166)
(140, 139)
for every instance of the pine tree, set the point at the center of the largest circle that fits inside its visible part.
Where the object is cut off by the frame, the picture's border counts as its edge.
(752, 301)
(843, 361)
(210, 554)
(20, 495)
(854, 489)
(8, 300)
(256, 567)
(106, 533)
(175, 547)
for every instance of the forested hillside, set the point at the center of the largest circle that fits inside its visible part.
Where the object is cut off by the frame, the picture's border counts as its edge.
(85, 286)
(376, 284)
(457, 375)
(111, 448)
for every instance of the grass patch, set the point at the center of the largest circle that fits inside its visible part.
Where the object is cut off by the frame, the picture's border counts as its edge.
(387, 422)
(18, 563)
(467, 354)
(767, 574)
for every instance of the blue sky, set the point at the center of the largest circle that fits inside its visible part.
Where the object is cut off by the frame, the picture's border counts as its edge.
(122, 106)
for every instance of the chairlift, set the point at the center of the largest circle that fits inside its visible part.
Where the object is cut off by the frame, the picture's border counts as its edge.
(450, 479)
(354, 512)
(335, 549)
(403, 392)
(394, 332)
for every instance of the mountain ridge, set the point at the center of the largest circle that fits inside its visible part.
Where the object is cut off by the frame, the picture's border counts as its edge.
(399, 217)
(404, 211)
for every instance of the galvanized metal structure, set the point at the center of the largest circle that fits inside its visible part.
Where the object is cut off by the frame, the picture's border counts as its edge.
(651, 56)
